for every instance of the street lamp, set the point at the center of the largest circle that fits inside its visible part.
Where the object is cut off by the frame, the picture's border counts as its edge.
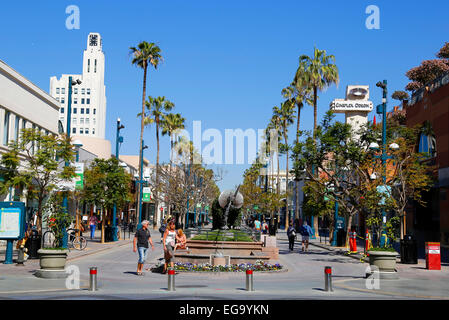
(382, 109)
(141, 182)
(118, 140)
(69, 116)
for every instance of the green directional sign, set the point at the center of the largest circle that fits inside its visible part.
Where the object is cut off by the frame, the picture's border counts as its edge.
(146, 194)
(79, 179)
(198, 205)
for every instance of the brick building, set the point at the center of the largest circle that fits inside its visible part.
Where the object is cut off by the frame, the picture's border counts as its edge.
(430, 106)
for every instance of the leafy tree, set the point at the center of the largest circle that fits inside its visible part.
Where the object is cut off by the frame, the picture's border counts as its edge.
(106, 183)
(36, 162)
(400, 95)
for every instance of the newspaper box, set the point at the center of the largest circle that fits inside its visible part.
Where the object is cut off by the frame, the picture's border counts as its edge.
(433, 256)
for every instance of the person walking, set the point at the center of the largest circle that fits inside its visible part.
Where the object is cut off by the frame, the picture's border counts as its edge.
(169, 244)
(257, 224)
(162, 229)
(140, 244)
(92, 225)
(306, 231)
(264, 227)
(291, 234)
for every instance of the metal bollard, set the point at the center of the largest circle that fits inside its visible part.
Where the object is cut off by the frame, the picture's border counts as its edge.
(328, 279)
(249, 280)
(171, 280)
(93, 279)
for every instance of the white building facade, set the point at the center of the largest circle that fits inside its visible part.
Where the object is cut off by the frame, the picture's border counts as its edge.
(23, 105)
(88, 116)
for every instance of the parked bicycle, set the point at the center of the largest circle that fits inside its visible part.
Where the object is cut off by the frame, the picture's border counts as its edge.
(73, 241)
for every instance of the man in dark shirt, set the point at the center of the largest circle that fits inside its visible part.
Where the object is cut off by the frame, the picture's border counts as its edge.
(141, 239)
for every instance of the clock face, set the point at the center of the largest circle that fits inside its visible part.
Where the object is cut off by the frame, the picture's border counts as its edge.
(93, 40)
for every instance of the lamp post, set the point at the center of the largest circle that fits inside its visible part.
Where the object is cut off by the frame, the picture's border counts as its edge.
(141, 182)
(382, 109)
(118, 140)
(78, 144)
(69, 116)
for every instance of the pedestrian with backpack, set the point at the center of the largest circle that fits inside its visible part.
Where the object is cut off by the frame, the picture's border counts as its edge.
(291, 234)
(306, 232)
(162, 229)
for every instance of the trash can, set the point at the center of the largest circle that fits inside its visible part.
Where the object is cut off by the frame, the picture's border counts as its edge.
(341, 238)
(409, 250)
(108, 234)
(35, 244)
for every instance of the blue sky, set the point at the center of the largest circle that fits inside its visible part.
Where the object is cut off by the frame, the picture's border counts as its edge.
(225, 62)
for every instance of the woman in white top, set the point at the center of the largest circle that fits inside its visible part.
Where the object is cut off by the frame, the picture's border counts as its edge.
(169, 244)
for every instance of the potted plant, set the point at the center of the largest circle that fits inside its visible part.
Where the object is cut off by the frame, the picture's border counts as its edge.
(53, 257)
(383, 258)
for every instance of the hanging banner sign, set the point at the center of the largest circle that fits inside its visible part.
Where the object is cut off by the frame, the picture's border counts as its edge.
(79, 179)
(146, 194)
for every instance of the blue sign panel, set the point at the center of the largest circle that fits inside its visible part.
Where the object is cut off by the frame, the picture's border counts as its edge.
(12, 220)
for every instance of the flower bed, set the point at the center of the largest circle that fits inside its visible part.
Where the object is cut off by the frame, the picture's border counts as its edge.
(206, 267)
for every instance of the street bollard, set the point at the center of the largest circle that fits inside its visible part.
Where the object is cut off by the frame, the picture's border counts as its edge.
(20, 256)
(93, 279)
(328, 279)
(171, 280)
(249, 280)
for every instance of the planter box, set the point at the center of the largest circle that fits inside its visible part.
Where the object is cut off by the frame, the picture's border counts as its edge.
(52, 263)
(385, 262)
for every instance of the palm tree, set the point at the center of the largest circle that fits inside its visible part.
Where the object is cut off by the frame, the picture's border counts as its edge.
(275, 124)
(298, 93)
(319, 72)
(286, 117)
(144, 55)
(172, 122)
(170, 125)
(156, 106)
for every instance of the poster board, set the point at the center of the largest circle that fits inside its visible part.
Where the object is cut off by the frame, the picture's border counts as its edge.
(12, 220)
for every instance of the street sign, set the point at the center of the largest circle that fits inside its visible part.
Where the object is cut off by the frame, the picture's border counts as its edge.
(340, 223)
(146, 194)
(79, 179)
(12, 220)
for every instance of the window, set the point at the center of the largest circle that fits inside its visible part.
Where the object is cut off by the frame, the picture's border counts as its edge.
(57, 90)
(87, 110)
(87, 120)
(62, 90)
(82, 101)
(73, 120)
(63, 100)
(83, 91)
(95, 111)
(88, 65)
(62, 119)
(75, 91)
(427, 144)
(88, 90)
(86, 131)
(62, 110)
(95, 68)
(57, 99)
(75, 110)
(24, 123)
(88, 101)
(81, 131)
(93, 130)
(82, 110)
(75, 100)
(94, 121)
(74, 130)
(17, 129)
(6, 129)
(81, 120)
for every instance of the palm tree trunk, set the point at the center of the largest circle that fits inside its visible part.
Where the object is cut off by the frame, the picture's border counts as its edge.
(141, 137)
(156, 199)
(287, 216)
(297, 181)
(315, 107)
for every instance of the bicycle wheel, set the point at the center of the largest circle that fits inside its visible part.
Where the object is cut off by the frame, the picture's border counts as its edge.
(79, 243)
